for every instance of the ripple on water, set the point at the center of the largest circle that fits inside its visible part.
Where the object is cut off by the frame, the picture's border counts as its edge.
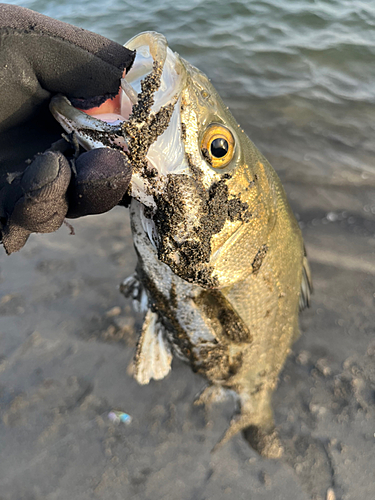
(306, 64)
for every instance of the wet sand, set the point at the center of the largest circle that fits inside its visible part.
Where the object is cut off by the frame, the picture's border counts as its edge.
(67, 337)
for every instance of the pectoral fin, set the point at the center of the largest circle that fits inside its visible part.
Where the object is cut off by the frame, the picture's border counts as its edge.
(153, 357)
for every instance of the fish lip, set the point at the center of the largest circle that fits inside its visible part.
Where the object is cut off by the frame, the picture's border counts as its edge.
(159, 51)
(91, 132)
(156, 41)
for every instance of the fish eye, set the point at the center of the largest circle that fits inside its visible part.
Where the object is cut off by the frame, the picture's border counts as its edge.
(218, 145)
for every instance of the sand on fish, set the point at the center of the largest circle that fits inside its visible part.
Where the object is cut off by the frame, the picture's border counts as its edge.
(67, 338)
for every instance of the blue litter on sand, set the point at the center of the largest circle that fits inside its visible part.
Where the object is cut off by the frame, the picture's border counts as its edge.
(118, 416)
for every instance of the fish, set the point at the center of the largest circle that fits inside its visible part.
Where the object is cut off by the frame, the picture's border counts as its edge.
(222, 271)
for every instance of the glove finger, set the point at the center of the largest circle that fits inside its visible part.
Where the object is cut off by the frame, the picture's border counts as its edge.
(40, 203)
(103, 177)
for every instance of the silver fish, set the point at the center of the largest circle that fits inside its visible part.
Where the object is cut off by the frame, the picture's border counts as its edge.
(222, 272)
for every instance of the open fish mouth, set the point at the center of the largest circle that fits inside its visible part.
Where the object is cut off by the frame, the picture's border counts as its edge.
(143, 120)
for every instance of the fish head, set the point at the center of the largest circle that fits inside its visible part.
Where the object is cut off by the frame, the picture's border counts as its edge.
(207, 195)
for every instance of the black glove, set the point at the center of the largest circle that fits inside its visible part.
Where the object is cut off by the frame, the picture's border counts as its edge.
(40, 57)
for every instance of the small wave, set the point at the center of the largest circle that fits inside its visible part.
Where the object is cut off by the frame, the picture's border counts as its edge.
(299, 75)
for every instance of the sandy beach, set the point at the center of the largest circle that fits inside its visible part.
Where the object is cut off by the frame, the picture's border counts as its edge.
(68, 337)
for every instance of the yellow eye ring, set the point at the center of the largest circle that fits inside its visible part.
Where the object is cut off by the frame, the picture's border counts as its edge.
(217, 145)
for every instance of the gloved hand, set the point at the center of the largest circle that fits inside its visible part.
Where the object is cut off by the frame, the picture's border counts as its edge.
(43, 178)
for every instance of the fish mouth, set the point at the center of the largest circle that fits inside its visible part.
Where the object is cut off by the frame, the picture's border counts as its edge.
(143, 120)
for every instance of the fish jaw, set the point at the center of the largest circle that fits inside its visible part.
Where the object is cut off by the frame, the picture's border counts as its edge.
(90, 132)
(143, 120)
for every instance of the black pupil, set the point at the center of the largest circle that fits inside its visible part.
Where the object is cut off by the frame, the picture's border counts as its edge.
(219, 147)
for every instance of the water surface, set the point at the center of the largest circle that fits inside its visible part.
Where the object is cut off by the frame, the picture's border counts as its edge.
(299, 76)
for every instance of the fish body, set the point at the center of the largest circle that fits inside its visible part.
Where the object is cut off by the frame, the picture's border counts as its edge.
(222, 272)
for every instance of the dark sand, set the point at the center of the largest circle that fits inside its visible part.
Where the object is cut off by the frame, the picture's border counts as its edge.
(67, 337)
